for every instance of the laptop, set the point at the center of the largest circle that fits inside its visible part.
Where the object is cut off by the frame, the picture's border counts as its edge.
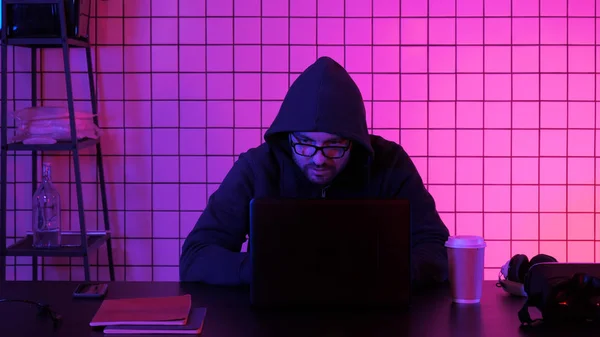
(320, 253)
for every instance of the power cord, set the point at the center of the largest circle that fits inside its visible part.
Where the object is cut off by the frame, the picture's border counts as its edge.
(43, 310)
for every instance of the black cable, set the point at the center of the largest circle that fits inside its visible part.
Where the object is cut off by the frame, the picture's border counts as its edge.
(43, 310)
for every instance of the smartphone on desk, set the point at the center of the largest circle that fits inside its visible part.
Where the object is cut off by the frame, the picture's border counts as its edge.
(90, 290)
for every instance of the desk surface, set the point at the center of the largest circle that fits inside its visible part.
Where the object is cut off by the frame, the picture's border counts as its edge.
(229, 314)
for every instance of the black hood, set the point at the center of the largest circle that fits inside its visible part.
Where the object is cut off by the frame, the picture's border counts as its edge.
(324, 98)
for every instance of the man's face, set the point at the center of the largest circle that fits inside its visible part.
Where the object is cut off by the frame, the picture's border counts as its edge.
(320, 155)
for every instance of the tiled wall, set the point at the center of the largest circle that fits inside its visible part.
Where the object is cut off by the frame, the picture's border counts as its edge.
(495, 101)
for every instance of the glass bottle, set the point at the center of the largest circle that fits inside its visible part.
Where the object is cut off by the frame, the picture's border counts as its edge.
(46, 212)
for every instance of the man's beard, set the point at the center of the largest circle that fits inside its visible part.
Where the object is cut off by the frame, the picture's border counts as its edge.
(324, 177)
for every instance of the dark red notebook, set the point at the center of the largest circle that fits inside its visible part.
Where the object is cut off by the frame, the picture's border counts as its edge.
(168, 310)
(193, 326)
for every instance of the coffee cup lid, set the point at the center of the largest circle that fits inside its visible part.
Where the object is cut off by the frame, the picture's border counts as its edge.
(465, 241)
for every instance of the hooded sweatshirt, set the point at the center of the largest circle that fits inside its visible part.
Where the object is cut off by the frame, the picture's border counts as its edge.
(324, 98)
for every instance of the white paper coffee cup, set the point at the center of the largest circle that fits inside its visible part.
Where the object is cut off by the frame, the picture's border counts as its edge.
(466, 255)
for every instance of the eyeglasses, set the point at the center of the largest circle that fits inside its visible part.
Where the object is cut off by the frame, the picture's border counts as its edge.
(308, 150)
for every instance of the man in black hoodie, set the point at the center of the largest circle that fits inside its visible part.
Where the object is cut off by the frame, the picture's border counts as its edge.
(317, 146)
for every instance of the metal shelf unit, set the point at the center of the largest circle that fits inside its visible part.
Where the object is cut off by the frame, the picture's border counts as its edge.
(86, 241)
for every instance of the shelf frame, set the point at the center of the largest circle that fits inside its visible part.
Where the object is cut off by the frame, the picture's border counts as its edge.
(23, 246)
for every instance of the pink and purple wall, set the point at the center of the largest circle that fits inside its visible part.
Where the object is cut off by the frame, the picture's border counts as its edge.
(495, 100)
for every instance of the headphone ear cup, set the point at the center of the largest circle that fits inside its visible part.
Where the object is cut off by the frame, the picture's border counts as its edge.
(517, 268)
(540, 258)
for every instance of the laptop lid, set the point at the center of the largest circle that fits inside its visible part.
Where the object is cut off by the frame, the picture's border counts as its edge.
(322, 252)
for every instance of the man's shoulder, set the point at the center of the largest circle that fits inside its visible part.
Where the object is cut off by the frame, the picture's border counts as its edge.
(387, 151)
(257, 151)
(392, 165)
(259, 157)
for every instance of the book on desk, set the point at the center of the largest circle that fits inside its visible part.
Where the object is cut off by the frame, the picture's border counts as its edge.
(150, 315)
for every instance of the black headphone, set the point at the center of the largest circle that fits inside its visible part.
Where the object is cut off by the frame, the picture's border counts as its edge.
(512, 275)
